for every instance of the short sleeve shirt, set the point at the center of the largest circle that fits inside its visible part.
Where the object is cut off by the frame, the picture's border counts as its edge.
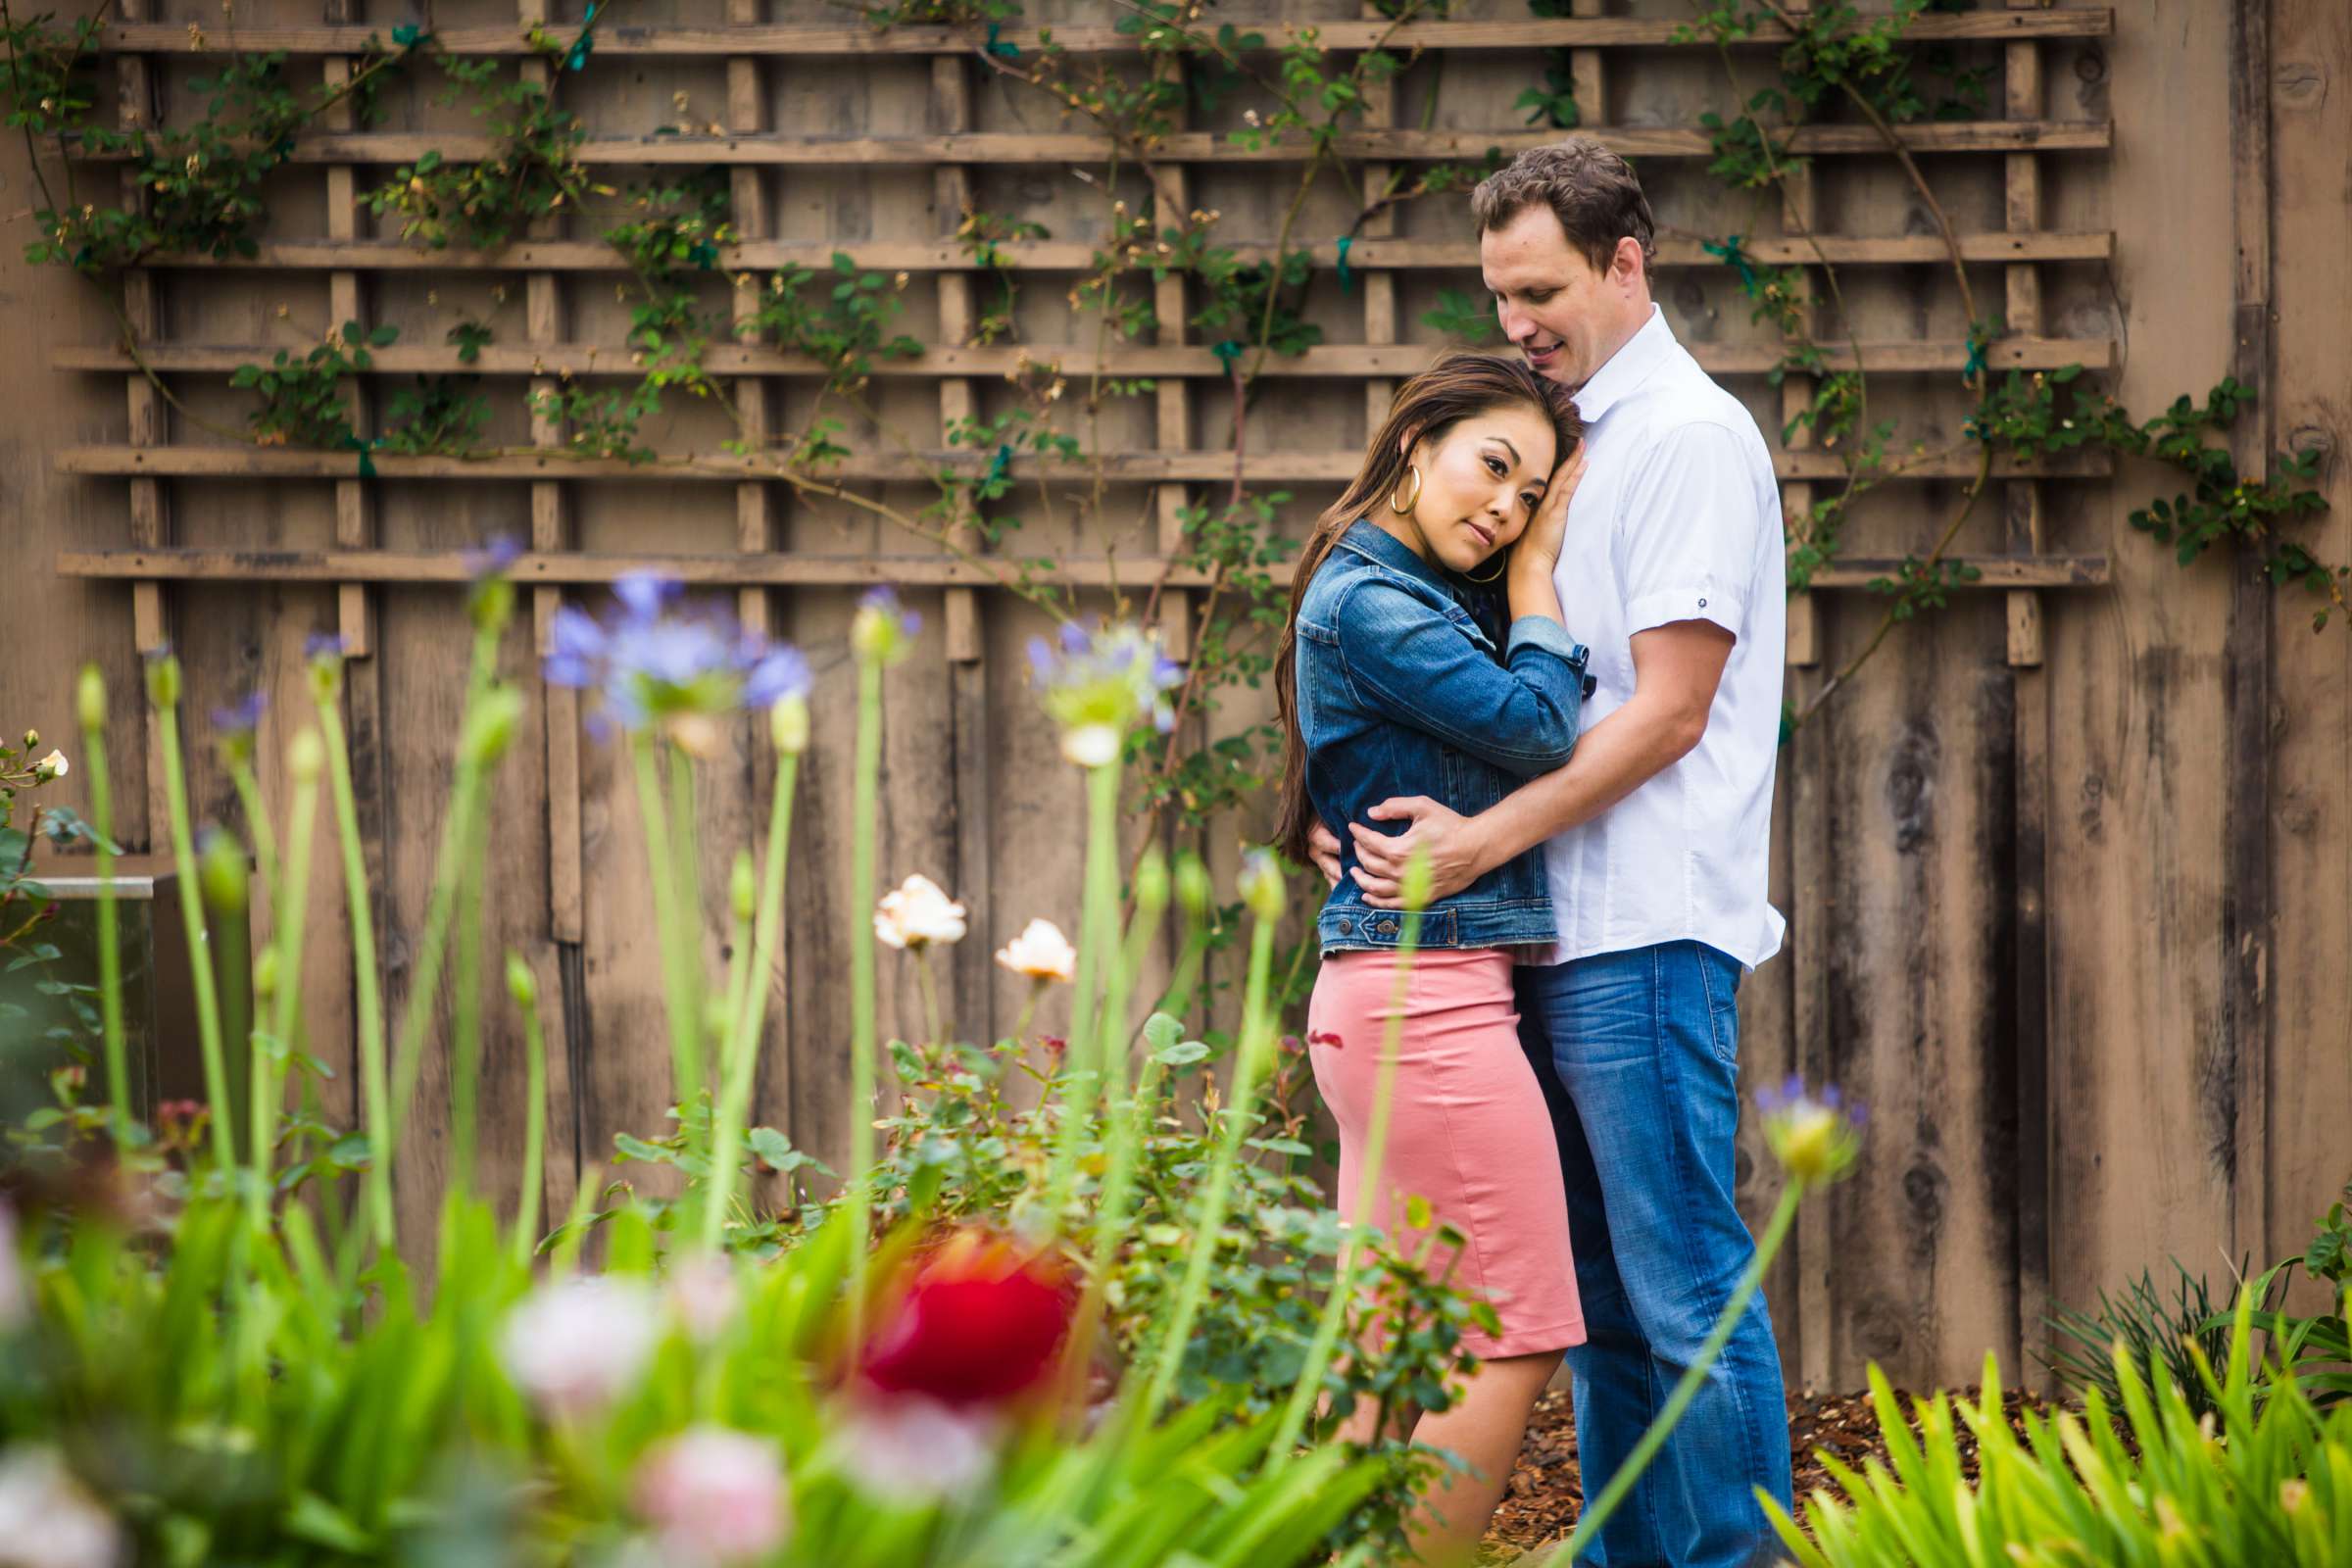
(1678, 518)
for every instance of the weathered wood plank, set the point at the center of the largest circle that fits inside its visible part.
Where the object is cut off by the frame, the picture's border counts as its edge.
(284, 463)
(1371, 253)
(811, 571)
(802, 41)
(959, 362)
(2310, 736)
(1194, 147)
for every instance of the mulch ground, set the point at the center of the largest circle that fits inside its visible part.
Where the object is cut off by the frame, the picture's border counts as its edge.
(1545, 1495)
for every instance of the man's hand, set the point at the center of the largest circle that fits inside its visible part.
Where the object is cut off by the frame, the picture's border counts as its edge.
(1452, 840)
(1323, 847)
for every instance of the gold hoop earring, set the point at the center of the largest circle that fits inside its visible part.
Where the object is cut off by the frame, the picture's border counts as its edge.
(1405, 508)
(1502, 561)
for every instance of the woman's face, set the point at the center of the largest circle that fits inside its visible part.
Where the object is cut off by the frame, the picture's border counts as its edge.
(1481, 482)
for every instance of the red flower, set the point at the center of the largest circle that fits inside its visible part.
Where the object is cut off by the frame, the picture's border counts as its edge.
(979, 1323)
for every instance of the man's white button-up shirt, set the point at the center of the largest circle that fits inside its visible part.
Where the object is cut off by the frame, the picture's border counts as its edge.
(1678, 517)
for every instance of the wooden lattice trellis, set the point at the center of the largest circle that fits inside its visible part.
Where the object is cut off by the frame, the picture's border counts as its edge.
(758, 157)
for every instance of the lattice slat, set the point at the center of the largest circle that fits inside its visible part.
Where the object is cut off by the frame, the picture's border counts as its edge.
(1584, 30)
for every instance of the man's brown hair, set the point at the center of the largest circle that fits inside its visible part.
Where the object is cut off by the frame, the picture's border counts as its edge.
(1589, 188)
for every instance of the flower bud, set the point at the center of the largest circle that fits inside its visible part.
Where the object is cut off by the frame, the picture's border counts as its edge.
(742, 886)
(33, 740)
(89, 698)
(1194, 892)
(1152, 882)
(788, 722)
(1261, 885)
(491, 603)
(522, 984)
(264, 972)
(221, 871)
(1815, 1137)
(306, 756)
(881, 632)
(162, 680)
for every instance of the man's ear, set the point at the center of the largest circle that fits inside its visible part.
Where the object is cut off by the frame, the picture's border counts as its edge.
(1626, 266)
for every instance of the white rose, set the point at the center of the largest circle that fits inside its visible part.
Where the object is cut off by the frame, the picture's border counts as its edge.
(917, 914)
(54, 765)
(1040, 951)
(574, 1345)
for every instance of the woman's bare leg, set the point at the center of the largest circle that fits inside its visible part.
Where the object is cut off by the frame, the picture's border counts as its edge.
(1484, 1430)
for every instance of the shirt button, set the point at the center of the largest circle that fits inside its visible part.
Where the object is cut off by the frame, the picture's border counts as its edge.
(1702, 603)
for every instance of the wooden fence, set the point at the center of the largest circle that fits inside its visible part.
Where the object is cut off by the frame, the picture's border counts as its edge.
(2066, 865)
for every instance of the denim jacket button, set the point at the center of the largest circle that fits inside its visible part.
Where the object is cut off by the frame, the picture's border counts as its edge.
(1346, 925)
(1388, 928)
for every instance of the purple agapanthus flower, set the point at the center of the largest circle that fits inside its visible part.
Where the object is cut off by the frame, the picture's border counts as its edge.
(244, 717)
(322, 645)
(498, 553)
(1108, 674)
(883, 599)
(654, 659)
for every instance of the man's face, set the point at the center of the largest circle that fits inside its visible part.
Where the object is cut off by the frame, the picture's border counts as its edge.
(1564, 314)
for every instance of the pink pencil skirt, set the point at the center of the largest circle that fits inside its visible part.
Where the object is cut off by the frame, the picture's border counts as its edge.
(1468, 1132)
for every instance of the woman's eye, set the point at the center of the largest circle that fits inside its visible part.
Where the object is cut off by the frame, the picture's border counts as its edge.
(1531, 500)
(1498, 464)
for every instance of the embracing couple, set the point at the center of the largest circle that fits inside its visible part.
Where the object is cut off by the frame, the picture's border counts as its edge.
(1540, 639)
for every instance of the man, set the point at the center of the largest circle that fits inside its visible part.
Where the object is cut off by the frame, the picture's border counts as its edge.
(1655, 840)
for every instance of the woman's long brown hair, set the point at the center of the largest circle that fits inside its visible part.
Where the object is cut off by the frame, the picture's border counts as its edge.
(1455, 388)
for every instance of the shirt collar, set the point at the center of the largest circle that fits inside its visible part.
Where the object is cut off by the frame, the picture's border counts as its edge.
(1628, 367)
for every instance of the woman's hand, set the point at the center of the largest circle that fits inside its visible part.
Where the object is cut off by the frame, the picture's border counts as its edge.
(1539, 548)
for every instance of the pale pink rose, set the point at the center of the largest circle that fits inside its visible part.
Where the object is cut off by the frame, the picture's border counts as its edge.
(574, 1345)
(47, 1520)
(715, 1496)
(1040, 951)
(917, 914)
(911, 1450)
(702, 1293)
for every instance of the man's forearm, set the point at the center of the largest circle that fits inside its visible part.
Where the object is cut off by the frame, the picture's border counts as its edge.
(1613, 758)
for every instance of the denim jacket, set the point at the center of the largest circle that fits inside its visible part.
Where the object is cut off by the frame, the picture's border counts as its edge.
(1401, 692)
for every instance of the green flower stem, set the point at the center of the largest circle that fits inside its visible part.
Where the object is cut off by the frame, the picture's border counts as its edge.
(1208, 1216)
(373, 1082)
(1588, 1527)
(110, 954)
(448, 872)
(685, 1054)
(534, 1132)
(743, 1047)
(200, 953)
(1187, 975)
(867, 798)
(466, 1068)
(1367, 1197)
(935, 1027)
(1127, 1124)
(686, 863)
(1097, 932)
(256, 820)
(285, 1002)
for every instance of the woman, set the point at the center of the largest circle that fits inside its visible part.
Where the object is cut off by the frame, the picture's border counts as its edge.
(1392, 680)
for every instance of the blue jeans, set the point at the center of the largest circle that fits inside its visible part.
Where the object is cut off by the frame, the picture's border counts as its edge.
(1638, 1053)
